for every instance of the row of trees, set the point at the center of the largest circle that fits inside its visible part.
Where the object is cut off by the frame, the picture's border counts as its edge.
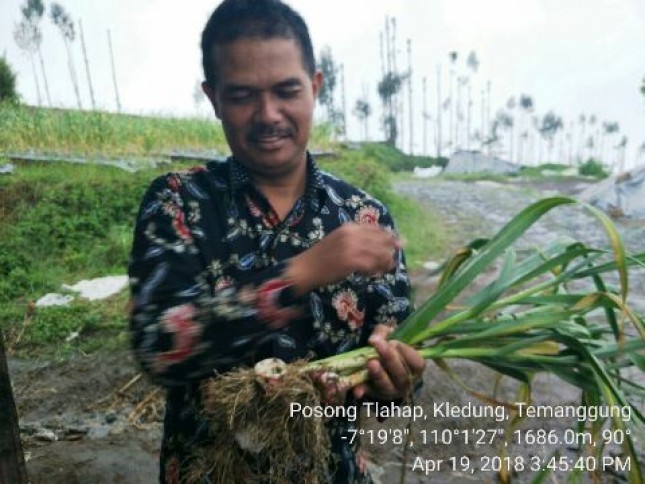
(515, 131)
(28, 34)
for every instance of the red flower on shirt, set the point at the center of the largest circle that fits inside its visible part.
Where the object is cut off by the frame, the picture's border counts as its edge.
(222, 283)
(179, 321)
(253, 207)
(345, 303)
(269, 309)
(181, 229)
(368, 215)
(174, 182)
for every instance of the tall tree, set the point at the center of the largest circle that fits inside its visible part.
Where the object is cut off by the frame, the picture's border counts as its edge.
(595, 141)
(65, 24)
(510, 105)
(28, 36)
(582, 121)
(87, 65)
(504, 120)
(388, 88)
(362, 110)
(343, 105)
(643, 87)
(329, 69)
(425, 116)
(452, 56)
(608, 129)
(526, 104)
(462, 82)
(551, 124)
(621, 147)
(487, 125)
(439, 109)
(473, 64)
(114, 82)
(410, 115)
(390, 84)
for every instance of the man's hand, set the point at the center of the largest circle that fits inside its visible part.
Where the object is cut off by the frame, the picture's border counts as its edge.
(364, 249)
(394, 373)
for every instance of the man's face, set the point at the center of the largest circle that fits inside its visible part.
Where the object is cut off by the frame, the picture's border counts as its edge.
(265, 100)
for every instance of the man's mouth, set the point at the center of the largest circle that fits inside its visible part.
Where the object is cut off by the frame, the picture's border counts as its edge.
(270, 139)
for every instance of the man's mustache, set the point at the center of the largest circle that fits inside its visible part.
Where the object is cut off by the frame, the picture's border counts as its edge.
(265, 131)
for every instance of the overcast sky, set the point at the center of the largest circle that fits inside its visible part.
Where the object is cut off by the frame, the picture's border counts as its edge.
(571, 56)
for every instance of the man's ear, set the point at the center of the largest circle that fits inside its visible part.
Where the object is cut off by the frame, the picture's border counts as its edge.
(212, 96)
(316, 82)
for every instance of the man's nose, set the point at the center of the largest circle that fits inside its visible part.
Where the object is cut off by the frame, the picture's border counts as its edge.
(268, 111)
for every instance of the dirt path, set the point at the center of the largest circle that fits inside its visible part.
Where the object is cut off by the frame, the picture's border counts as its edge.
(77, 428)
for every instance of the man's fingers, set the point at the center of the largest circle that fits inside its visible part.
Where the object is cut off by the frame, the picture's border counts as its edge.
(392, 373)
(380, 332)
(397, 366)
(413, 360)
(380, 380)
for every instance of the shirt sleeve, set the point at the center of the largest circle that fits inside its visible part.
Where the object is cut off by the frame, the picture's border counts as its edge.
(181, 328)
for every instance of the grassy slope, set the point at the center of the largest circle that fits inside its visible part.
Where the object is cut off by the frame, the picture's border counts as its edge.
(41, 246)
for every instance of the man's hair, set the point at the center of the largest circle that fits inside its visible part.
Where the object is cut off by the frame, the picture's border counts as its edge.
(264, 19)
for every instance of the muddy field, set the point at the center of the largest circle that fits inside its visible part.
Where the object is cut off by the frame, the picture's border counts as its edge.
(93, 420)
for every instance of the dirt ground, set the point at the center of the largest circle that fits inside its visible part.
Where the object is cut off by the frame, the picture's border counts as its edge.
(94, 420)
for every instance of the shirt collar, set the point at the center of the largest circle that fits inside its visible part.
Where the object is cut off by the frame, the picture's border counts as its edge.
(240, 178)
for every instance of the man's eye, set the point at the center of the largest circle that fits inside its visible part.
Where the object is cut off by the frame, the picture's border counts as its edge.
(239, 97)
(288, 93)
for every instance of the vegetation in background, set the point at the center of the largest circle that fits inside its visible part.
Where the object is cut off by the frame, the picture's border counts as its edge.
(395, 160)
(24, 128)
(330, 71)
(28, 35)
(8, 91)
(65, 24)
(60, 222)
(593, 168)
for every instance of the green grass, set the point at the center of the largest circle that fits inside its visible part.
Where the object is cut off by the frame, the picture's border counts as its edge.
(101, 325)
(421, 230)
(25, 128)
(61, 222)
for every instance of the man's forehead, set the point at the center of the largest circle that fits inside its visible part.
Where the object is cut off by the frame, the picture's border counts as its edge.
(238, 51)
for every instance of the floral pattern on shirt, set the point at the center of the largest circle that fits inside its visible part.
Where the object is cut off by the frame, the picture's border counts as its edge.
(206, 275)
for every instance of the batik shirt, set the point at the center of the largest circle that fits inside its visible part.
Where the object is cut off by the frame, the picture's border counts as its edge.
(207, 276)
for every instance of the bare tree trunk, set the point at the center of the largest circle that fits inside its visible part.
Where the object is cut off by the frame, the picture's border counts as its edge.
(342, 99)
(12, 461)
(469, 115)
(33, 67)
(439, 107)
(42, 68)
(482, 129)
(425, 116)
(410, 125)
(87, 65)
(451, 133)
(72, 73)
(458, 116)
(488, 89)
(116, 87)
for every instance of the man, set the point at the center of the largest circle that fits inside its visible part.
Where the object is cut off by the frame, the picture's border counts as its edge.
(264, 255)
